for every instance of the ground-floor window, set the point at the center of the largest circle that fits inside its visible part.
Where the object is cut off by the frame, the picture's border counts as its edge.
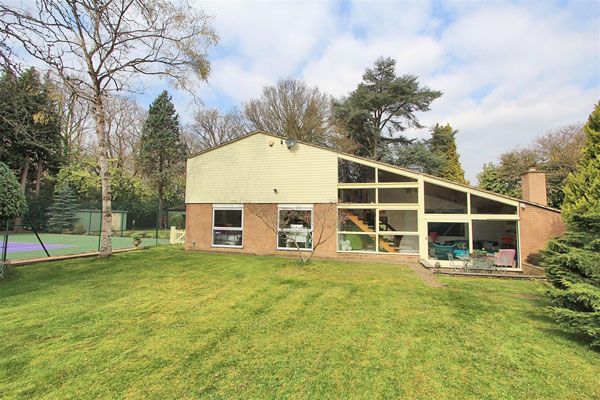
(294, 227)
(494, 240)
(227, 229)
(378, 230)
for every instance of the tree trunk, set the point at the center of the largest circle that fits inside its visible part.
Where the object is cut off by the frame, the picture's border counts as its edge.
(105, 235)
(37, 178)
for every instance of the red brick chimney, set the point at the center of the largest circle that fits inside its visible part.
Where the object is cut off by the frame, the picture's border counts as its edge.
(533, 183)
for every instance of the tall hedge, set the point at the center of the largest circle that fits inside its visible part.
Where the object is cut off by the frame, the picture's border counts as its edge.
(573, 262)
(12, 199)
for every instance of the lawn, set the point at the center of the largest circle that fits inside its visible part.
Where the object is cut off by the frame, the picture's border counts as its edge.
(164, 323)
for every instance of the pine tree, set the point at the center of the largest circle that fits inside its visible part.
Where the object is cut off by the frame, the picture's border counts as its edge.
(63, 212)
(573, 262)
(162, 152)
(582, 193)
(12, 199)
(443, 144)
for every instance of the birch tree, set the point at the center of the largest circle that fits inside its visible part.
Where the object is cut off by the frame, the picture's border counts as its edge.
(101, 46)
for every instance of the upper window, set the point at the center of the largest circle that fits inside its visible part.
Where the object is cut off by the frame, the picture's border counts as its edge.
(481, 205)
(358, 196)
(294, 228)
(351, 172)
(385, 176)
(442, 200)
(398, 195)
(227, 226)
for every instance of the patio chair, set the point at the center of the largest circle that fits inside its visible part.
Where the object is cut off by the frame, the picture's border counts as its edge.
(505, 258)
(444, 252)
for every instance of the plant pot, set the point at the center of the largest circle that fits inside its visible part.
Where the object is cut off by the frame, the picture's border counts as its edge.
(136, 243)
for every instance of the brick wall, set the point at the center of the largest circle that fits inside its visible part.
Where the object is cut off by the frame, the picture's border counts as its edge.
(260, 239)
(537, 226)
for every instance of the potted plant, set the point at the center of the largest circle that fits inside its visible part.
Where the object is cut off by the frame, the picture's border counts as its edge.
(137, 240)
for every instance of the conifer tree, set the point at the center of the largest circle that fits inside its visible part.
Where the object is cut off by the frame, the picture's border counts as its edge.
(63, 212)
(162, 152)
(573, 262)
(582, 193)
(12, 199)
(443, 144)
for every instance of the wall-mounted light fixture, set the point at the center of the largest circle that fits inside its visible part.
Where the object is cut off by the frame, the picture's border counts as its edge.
(275, 190)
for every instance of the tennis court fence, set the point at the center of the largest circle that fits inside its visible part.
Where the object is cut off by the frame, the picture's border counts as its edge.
(64, 227)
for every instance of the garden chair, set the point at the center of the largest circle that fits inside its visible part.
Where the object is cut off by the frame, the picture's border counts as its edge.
(505, 258)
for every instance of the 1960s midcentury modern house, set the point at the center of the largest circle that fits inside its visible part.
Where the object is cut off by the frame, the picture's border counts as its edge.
(382, 210)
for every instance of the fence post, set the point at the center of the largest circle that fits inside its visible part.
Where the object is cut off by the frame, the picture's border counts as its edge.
(90, 221)
(157, 219)
(172, 237)
(122, 218)
(5, 247)
(100, 231)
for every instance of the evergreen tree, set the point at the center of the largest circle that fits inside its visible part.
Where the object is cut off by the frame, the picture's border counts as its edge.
(443, 145)
(162, 152)
(582, 193)
(12, 199)
(63, 212)
(381, 107)
(416, 156)
(573, 262)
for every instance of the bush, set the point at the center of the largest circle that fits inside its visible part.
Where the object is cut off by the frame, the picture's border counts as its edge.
(12, 199)
(177, 221)
(534, 259)
(79, 229)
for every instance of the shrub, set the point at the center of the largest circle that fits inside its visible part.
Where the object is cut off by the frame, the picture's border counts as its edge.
(177, 221)
(79, 229)
(12, 199)
(534, 259)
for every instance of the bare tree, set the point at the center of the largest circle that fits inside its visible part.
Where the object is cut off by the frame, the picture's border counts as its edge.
(322, 227)
(213, 128)
(98, 47)
(124, 121)
(291, 108)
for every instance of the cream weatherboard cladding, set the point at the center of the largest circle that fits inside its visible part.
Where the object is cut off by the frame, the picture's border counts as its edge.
(262, 169)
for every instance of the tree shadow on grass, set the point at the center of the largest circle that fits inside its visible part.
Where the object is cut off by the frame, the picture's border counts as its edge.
(552, 328)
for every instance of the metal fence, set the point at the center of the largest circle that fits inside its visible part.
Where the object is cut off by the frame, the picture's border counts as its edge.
(65, 225)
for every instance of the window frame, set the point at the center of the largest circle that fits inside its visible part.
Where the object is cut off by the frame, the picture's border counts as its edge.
(227, 207)
(295, 207)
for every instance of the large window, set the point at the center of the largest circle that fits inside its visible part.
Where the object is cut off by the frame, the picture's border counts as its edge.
(358, 196)
(294, 227)
(388, 177)
(398, 220)
(227, 226)
(351, 172)
(481, 205)
(399, 195)
(448, 240)
(442, 200)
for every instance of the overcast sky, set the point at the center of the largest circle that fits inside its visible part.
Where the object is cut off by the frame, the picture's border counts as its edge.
(509, 71)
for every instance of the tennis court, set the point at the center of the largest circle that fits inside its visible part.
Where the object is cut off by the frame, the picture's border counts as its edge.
(26, 245)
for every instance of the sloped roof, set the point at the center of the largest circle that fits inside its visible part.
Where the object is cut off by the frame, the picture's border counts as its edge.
(410, 171)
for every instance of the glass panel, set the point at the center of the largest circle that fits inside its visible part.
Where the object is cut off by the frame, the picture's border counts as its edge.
(225, 237)
(448, 238)
(398, 244)
(481, 205)
(356, 220)
(295, 219)
(351, 172)
(356, 195)
(398, 220)
(228, 218)
(286, 240)
(356, 242)
(441, 200)
(385, 176)
(494, 236)
(398, 195)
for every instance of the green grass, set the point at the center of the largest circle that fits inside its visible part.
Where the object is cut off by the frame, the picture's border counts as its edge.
(79, 243)
(164, 323)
